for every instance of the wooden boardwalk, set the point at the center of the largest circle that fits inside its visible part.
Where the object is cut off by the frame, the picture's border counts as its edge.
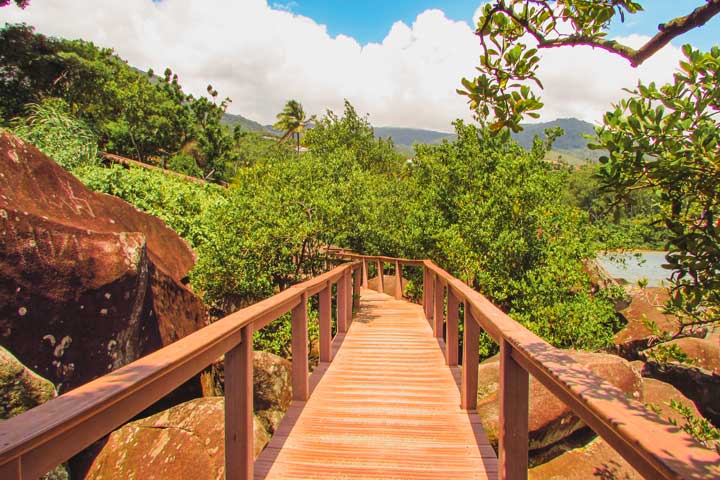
(386, 407)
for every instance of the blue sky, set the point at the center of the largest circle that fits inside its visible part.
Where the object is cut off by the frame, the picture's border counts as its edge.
(370, 20)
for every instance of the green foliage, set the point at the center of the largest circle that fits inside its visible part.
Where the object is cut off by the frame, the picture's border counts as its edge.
(666, 139)
(184, 163)
(661, 139)
(699, 428)
(292, 121)
(631, 222)
(354, 134)
(501, 95)
(181, 204)
(132, 113)
(52, 128)
(495, 220)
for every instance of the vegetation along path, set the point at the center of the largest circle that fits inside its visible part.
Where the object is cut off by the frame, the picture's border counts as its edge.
(386, 407)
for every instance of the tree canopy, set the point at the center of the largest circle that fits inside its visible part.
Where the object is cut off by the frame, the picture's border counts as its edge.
(662, 139)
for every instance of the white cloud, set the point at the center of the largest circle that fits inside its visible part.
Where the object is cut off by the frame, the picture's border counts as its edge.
(261, 56)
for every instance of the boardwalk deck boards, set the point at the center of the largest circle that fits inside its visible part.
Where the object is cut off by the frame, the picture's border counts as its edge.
(386, 407)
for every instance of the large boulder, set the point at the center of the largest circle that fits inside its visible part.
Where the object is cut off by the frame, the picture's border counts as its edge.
(186, 441)
(595, 460)
(645, 305)
(700, 381)
(704, 354)
(87, 282)
(20, 390)
(550, 420)
(272, 387)
(657, 395)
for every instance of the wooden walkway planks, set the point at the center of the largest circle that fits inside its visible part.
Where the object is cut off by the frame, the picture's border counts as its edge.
(386, 407)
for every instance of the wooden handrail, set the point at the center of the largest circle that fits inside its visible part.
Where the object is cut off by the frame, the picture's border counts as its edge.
(40, 439)
(655, 448)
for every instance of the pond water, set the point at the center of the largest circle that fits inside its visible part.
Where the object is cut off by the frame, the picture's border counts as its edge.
(634, 266)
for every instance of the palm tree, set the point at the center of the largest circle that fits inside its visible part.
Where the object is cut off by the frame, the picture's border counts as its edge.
(292, 121)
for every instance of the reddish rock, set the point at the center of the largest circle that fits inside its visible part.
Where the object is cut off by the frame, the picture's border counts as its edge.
(704, 353)
(186, 441)
(87, 282)
(646, 304)
(595, 460)
(550, 419)
(657, 395)
(272, 387)
(700, 381)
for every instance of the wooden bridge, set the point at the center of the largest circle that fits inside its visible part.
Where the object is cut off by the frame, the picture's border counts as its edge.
(386, 401)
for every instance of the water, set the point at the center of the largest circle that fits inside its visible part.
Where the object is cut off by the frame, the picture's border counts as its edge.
(648, 266)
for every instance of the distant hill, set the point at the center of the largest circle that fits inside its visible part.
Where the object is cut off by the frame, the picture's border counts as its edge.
(246, 124)
(571, 146)
(572, 143)
(410, 136)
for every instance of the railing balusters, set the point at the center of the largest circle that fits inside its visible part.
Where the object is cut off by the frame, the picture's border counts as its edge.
(300, 384)
(239, 428)
(381, 276)
(451, 344)
(439, 306)
(349, 294)
(324, 319)
(398, 280)
(430, 295)
(341, 305)
(365, 273)
(356, 289)
(471, 358)
(513, 438)
(425, 291)
(11, 470)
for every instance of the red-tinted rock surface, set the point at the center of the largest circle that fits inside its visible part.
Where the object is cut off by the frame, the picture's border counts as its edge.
(597, 460)
(646, 304)
(658, 395)
(272, 387)
(700, 381)
(703, 353)
(184, 442)
(550, 420)
(87, 282)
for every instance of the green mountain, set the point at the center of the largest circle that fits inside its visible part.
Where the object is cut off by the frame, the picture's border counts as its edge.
(410, 136)
(571, 147)
(246, 124)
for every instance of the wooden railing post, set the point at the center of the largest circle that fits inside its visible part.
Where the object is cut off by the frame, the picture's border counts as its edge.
(513, 438)
(356, 289)
(451, 343)
(341, 305)
(381, 276)
(324, 319)
(430, 296)
(239, 428)
(349, 294)
(398, 280)
(425, 291)
(439, 306)
(471, 339)
(11, 470)
(365, 273)
(300, 384)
